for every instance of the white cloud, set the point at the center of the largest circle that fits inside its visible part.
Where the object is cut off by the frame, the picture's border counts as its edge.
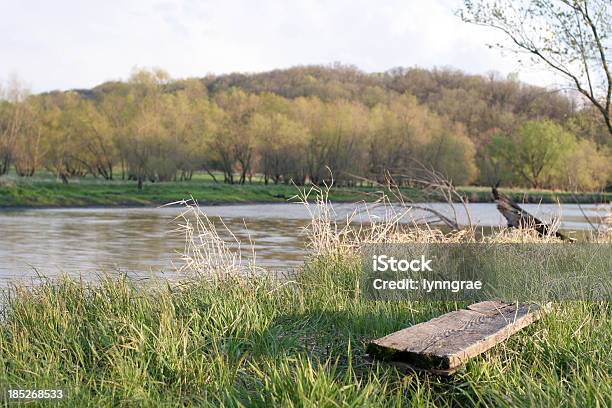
(69, 44)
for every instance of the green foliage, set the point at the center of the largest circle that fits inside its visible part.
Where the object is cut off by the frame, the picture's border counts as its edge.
(543, 154)
(294, 126)
(590, 167)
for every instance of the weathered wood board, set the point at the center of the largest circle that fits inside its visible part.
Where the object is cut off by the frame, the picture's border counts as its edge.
(443, 344)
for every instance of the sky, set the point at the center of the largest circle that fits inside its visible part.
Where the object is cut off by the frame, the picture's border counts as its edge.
(66, 44)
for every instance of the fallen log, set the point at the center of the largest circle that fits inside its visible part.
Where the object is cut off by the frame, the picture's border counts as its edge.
(516, 217)
(442, 345)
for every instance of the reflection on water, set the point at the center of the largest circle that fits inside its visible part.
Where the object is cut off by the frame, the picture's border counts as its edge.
(141, 241)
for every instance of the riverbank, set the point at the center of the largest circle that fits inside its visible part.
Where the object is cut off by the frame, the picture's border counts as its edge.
(258, 342)
(89, 192)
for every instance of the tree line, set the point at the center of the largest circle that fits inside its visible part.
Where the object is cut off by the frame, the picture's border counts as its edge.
(295, 125)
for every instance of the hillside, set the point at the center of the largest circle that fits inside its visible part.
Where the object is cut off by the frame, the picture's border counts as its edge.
(295, 124)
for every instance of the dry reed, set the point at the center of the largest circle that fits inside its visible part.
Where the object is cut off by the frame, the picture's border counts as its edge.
(213, 251)
(207, 254)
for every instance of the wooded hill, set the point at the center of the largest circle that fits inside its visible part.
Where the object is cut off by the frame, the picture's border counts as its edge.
(295, 123)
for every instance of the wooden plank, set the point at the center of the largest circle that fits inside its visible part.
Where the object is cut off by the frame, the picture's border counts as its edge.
(445, 343)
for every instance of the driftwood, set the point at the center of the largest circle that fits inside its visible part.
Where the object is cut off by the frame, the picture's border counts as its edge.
(442, 345)
(519, 218)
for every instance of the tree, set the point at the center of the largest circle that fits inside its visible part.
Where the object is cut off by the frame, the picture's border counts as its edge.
(451, 153)
(537, 153)
(569, 37)
(337, 133)
(590, 169)
(188, 120)
(91, 135)
(406, 131)
(280, 142)
(234, 143)
(587, 124)
(62, 133)
(391, 142)
(12, 116)
(30, 148)
(144, 146)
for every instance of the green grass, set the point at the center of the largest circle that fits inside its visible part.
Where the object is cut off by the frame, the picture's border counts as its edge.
(262, 343)
(46, 191)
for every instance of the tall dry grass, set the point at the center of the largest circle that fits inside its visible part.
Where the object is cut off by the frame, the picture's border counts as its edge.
(329, 234)
(211, 250)
(603, 231)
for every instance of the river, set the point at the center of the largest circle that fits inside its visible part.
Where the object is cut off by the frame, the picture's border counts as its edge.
(141, 241)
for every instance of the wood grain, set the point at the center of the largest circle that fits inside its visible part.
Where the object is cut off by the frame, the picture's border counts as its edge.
(446, 342)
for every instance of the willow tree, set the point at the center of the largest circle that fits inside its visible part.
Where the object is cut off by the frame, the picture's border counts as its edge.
(536, 154)
(571, 38)
(31, 146)
(145, 145)
(280, 142)
(233, 143)
(12, 115)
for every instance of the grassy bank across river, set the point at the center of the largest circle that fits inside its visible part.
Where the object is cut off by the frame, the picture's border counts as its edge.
(46, 191)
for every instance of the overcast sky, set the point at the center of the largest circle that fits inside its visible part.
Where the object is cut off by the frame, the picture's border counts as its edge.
(64, 44)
